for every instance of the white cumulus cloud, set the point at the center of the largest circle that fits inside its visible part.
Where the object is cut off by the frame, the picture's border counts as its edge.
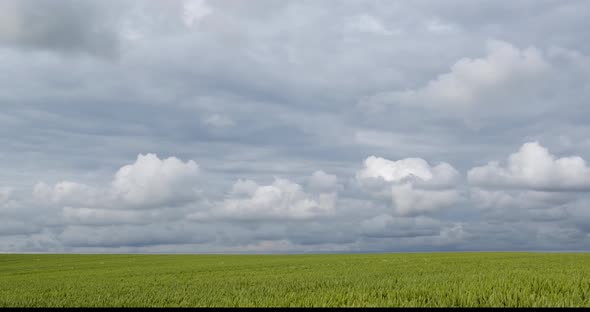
(65, 192)
(151, 180)
(281, 199)
(533, 167)
(408, 169)
(470, 81)
(415, 186)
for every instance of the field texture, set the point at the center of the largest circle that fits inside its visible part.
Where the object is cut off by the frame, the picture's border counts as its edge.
(432, 279)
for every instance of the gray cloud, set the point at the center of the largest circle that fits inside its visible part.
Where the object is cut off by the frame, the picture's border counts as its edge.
(63, 26)
(281, 104)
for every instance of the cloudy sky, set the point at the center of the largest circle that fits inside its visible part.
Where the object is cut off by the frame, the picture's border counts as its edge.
(233, 126)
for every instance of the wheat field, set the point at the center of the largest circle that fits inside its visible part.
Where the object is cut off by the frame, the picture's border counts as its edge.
(333, 280)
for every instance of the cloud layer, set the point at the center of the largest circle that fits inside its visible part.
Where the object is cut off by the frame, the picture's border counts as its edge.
(289, 126)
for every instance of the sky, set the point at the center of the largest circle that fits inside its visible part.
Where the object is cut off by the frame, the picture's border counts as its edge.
(294, 126)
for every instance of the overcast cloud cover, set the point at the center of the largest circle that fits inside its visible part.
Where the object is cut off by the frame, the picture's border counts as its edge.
(196, 126)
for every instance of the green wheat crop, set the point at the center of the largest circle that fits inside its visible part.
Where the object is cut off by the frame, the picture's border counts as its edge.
(416, 279)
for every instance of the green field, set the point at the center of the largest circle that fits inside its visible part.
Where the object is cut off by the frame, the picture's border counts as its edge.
(413, 279)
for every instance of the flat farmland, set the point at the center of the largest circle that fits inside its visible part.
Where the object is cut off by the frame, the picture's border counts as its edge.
(334, 280)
